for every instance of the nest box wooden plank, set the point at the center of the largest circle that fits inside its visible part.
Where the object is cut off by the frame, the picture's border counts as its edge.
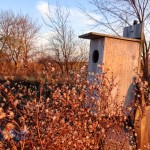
(118, 54)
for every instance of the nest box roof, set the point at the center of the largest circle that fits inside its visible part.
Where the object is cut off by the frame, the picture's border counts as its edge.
(95, 35)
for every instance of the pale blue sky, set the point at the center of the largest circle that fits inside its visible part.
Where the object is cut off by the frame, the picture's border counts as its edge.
(34, 9)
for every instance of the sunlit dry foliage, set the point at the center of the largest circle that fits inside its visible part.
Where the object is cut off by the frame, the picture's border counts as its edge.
(71, 113)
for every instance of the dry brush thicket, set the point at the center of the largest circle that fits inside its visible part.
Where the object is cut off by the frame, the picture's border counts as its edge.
(63, 114)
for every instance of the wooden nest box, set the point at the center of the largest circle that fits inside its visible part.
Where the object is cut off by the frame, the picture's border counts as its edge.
(120, 55)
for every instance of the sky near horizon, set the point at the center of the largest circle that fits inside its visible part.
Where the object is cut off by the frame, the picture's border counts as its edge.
(36, 8)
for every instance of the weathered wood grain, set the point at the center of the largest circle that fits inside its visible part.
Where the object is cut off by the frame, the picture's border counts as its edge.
(142, 128)
(97, 44)
(121, 58)
(134, 31)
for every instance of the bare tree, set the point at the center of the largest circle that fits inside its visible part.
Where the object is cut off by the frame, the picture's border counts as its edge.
(64, 46)
(17, 36)
(117, 14)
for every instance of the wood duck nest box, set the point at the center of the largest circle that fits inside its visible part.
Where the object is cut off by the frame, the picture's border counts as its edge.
(120, 56)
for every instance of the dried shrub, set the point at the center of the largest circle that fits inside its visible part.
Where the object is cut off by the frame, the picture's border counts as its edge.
(66, 113)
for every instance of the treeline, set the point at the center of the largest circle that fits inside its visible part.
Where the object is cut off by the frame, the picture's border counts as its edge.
(22, 56)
